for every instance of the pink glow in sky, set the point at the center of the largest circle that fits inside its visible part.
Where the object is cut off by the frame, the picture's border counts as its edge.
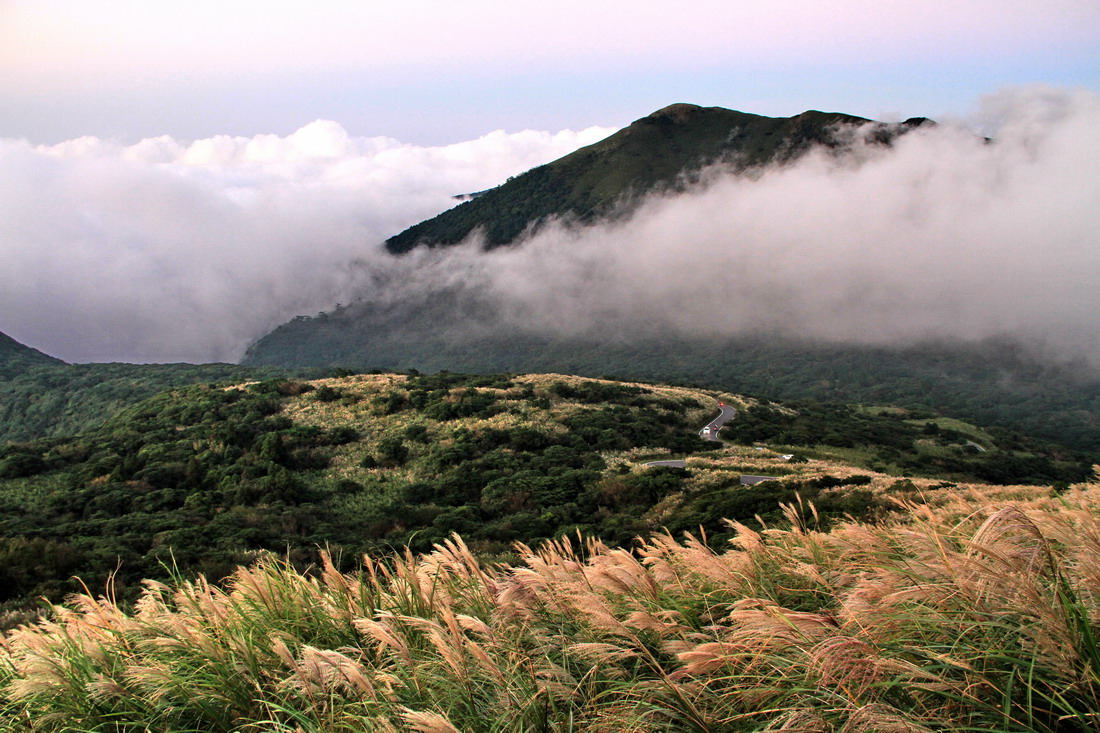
(435, 72)
(228, 165)
(135, 38)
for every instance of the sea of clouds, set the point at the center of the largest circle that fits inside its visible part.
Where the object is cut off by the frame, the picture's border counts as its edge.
(166, 250)
(169, 250)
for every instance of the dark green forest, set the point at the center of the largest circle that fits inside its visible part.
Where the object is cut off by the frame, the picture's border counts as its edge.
(51, 398)
(16, 358)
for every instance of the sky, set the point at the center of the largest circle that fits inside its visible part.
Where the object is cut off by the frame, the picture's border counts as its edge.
(176, 178)
(429, 72)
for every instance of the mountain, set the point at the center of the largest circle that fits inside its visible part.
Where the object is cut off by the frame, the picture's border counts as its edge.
(16, 358)
(458, 328)
(660, 151)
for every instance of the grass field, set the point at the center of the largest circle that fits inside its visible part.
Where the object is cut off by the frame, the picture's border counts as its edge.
(973, 609)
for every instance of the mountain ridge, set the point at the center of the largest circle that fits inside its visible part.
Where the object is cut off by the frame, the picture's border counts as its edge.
(651, 154)
(16, 357)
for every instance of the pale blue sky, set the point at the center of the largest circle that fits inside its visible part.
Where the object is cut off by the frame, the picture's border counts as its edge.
(434, 72)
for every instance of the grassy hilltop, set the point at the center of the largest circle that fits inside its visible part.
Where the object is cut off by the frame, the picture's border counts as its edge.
(662, 151)
(204, 477)
(879, 583)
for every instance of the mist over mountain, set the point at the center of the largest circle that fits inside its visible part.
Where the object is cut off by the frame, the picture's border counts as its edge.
(170, 250)
(175, 251)
(664, 152)
(946, 269)
(942, 235)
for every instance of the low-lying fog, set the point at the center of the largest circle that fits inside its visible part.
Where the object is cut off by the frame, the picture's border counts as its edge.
(174, 251)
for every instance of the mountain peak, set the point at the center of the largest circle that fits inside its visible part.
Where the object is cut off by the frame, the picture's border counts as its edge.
(680, 112)
(651, 154)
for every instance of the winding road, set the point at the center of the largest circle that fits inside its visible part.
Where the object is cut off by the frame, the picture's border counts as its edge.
(725, 414)
(707, 432)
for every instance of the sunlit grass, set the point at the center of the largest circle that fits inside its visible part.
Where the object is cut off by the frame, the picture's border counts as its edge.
(949, 423)
(966, 613)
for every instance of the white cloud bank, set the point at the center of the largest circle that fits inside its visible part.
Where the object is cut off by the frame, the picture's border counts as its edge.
(942, 236)
(165, 250)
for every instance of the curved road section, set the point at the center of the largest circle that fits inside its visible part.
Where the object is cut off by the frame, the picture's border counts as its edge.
(707, 432)
(725, 414)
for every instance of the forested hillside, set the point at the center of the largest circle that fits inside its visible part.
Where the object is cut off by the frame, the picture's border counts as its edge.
(47, 397)
(995, 383)
(16, 358)
(204, 477)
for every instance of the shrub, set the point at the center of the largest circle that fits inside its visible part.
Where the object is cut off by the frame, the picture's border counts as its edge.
(326, 393)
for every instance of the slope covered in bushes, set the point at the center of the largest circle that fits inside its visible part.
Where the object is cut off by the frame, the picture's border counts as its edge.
(44, 399)
(16, 357)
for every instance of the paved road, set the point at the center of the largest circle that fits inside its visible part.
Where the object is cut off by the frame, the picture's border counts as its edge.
(670, 464)
(710, 430)
(707, 432)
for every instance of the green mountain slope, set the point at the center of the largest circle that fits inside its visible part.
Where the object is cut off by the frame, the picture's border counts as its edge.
(654, 152)
(203, 478)
(994, 383)
(460, 330)
(56, 399)
(16, 358)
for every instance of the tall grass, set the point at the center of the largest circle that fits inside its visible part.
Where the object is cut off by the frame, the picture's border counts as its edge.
(961, 617)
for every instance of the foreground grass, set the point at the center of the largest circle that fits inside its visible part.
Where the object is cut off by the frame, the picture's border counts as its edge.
(964, 616)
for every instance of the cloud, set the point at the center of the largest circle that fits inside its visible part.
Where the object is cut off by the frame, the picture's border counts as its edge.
(944, 235)
(167, 250)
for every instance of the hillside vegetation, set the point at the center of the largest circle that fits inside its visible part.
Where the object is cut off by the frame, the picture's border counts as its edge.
(16, 357)
(996, 383)
(661, 151)
(971, 610)
(204, 477)
(48, 398)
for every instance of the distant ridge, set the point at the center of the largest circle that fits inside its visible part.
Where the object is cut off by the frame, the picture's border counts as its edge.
(16, 358)
(659, 151)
